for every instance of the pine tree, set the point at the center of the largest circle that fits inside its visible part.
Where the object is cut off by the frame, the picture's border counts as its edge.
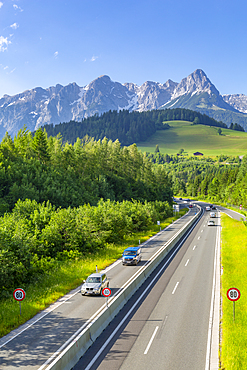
(40, 145)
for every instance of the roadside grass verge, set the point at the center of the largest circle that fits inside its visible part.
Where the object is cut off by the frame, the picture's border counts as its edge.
(65, 276)
(234, 262)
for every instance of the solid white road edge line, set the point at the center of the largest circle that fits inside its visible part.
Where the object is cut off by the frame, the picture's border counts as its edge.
(210, 326)
(135, 304)
(151, 340)
(59, 353)
(62, 300)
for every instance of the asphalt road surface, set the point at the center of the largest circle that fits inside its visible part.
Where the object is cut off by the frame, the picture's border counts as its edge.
(165, 325)
(33, 345)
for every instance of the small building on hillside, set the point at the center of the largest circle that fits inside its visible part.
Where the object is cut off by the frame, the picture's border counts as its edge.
(197, 153)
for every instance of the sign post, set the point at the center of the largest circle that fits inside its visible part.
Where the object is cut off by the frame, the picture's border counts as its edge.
(233, 294)
(19, 294)
(106, 293)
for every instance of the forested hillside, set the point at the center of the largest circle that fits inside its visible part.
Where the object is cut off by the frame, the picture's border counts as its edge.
(221, 179)
(62, 201)
(127, 127)
(71, 175)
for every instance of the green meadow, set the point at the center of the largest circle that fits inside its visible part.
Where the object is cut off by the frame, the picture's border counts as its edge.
(234, 262)
(196, 138)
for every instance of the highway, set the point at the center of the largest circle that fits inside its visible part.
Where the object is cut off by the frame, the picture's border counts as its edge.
(35, 344)
(168, 328)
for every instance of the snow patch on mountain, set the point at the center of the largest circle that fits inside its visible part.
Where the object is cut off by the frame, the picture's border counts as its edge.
(238, 101)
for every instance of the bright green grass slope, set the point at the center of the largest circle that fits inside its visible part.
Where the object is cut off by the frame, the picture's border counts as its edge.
(196, 138)
(234, 262)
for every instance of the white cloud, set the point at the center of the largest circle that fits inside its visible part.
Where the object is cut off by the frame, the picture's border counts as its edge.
(16, 7)
(93, 58)
(4, 42)
(1, 4)
(14, 26)
(56, 54)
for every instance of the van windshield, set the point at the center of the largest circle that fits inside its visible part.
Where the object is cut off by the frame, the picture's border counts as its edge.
(93, 279)
(129, 253)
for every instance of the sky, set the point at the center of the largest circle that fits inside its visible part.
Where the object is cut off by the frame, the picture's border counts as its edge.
(49, 42)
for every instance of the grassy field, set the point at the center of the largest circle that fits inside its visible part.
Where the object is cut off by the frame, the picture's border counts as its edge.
(196, 138)
(234, 262)
(67, 276)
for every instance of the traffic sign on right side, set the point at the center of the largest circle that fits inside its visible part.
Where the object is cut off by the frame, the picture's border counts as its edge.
(233, 294)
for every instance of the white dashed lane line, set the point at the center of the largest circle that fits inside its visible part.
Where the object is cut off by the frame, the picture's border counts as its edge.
(150, 342)
(175, 288)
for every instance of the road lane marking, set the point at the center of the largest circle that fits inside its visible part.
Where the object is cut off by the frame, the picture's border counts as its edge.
(150, 342)
(63, 351)
(212, 305)
(201, 231)
(198, 237)
(194, 247)
(187, 263)
(175, 288)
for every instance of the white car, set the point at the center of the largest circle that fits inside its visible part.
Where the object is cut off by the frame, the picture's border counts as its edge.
(208, 208)
(211, 223)
(212, 214)
(94, 284)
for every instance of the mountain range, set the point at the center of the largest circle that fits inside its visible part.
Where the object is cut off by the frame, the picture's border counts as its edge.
(37, 107)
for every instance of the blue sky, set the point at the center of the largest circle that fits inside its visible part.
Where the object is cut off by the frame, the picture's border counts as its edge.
(45, 42)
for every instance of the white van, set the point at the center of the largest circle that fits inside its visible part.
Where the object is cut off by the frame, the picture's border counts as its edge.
(212, 214)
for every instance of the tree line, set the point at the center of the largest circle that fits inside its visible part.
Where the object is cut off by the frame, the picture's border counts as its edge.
(36, 235)
(44, 169)
(221, 179)
(60, 201)
(127, 127)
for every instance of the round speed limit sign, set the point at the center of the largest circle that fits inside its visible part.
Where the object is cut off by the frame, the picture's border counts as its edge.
(106, 292)
(233, 294)
(19, 294)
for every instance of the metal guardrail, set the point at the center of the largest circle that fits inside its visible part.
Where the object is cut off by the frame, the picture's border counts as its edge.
(79, 345)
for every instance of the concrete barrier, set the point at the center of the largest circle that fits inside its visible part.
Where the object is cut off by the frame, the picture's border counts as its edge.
(75, 350)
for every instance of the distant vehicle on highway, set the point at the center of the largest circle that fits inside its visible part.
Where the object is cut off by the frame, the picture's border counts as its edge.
(131, 256)
(208, 208)
(94, 284)
(212, 214)
(180, 199)
(211, 223)
(191, 206)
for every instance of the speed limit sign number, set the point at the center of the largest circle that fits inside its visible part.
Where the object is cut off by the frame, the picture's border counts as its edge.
(233, 294)
(106, 292)
(19, 294)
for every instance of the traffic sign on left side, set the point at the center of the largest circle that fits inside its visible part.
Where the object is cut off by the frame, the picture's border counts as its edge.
(19, 294)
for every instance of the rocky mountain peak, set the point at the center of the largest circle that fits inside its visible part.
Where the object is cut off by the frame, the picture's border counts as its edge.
(55, 104)
(197, 82)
